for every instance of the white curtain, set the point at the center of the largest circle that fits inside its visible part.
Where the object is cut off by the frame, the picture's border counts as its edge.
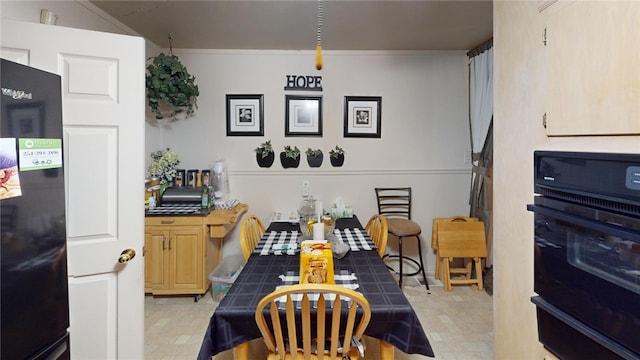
(481, 97)
(480, 118)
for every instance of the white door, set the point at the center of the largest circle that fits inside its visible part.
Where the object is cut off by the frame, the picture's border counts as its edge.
(103, 115)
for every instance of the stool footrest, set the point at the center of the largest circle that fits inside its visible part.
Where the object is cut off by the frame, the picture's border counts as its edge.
(402, 258)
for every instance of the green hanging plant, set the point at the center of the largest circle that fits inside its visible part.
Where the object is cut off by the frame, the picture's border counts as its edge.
(169, 84)
(264, 149)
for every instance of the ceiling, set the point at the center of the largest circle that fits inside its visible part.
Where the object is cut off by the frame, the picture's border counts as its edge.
(293, 24)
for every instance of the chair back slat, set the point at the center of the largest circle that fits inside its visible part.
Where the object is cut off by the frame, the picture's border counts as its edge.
(350, 320)
(394, 202)
(322, 309)
(251, 231)
(275, 319)
(340, 337)
(291, 324)
(335, 327)
(378, 231)
(306, 326)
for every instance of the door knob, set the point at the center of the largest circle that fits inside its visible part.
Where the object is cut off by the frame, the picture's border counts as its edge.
(126, 255)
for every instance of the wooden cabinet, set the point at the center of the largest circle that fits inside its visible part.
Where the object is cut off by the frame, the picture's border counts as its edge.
(181, 251)
(593, 68)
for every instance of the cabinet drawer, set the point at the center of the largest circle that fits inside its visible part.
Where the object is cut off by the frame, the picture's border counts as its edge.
(173, 220)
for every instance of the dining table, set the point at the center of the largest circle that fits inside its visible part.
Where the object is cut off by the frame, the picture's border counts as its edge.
(275, 262)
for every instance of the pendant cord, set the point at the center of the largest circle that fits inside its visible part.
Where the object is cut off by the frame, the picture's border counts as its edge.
(319, 35)
(320, 23)
(170, 44)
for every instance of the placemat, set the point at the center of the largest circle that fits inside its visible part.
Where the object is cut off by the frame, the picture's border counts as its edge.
(357, 239)
(175, 209)
(343, 278)
(285, 242)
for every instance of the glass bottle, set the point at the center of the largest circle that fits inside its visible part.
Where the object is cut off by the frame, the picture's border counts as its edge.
(204, 200)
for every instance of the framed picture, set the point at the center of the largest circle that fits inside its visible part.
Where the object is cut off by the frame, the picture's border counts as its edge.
(26, 120)
(303, 115)
(245, 115)
(362, 116)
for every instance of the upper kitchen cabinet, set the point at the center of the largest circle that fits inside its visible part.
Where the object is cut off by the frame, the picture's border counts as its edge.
(593, 68)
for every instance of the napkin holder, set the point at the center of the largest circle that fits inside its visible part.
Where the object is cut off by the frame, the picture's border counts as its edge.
(316, 262)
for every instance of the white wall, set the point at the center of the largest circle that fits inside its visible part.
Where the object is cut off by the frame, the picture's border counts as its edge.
(71, 13)
(76, 14)
(424, 122)
(424, 129)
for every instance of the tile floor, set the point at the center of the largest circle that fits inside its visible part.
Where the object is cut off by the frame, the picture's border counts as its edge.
(459, 325)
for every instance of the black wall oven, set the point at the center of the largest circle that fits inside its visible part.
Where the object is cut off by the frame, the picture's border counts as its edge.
(587, 254)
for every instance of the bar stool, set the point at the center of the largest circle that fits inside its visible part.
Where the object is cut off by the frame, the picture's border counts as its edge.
(395, 205)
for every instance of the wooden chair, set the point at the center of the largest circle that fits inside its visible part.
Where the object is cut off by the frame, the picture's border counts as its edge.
(434, 242)
(290, 335)
(461, 240)
(251, 231)
(378, 230)
(395, 205)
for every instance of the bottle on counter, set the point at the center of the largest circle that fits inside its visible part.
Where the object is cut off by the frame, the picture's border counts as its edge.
(206, 177)
(204, 200)
(191, 177)
(180, 178)
(148, 193)
(155, 189)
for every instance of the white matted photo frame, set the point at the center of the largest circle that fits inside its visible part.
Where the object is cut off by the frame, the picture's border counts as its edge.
(245, 115)
(362, 116)
(303, 115)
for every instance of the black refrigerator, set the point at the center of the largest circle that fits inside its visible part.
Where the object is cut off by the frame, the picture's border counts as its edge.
(34, 298)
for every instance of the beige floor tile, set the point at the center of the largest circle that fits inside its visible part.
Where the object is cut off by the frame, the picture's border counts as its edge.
(459, 325)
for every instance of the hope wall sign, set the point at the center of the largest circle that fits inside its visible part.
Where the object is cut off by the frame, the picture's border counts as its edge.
(301, 82)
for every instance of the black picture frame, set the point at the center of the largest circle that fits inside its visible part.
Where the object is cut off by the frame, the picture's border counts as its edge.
(363, 116)
(245, 115)
(303, 115)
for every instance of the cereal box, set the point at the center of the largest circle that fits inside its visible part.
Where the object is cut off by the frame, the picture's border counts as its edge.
(316, 262)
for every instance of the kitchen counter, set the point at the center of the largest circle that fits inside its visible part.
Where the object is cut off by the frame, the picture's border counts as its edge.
(182, 248)
(219, 221)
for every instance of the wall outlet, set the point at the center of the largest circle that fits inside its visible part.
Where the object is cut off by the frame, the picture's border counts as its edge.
(305, 188)
(467, 157)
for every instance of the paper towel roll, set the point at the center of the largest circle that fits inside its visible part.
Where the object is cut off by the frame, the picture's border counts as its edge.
(318, 231)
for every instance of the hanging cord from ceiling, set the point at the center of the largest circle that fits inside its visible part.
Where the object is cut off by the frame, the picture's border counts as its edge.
(170, 44)
(319, 35)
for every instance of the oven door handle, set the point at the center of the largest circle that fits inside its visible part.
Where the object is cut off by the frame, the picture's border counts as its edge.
(596, 225)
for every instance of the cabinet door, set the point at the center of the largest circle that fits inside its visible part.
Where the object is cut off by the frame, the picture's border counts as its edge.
(156, 259)
(593, 68)
(186, 264)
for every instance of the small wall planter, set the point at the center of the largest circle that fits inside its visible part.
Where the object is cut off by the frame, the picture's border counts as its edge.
(315, 161)
(288, 162)
(337, 161)
(265, 162)
(290, 157)
(265, 154)
(337, 156)
(314, 157)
